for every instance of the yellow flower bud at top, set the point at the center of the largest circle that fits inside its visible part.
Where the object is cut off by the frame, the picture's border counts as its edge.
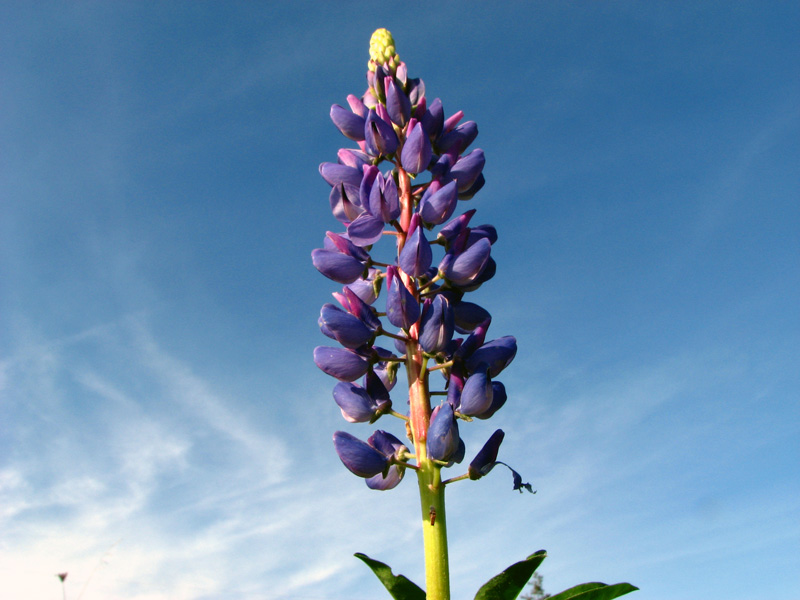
(381, 48)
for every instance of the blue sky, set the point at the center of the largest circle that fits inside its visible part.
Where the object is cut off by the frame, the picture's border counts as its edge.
(164, 432)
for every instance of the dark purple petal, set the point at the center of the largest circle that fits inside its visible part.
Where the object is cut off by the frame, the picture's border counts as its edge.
(350, 124)
(356, 404)
(468, 316)
(353, 158)
(341, 363)
(438, 203)
(499, 398)
(468, 168)
(443, 440)
(337, 266)
(416, 154)
(416, 256)
(496, 355)
(340, 243)
(402, 309)
(476, 397)
(436, 325)
(359, 457)
(345, 328)
(468, 193)
(385, 443)
(486, 459)
(464, 267)
(433, 121)
(397, 103)
(344, 205)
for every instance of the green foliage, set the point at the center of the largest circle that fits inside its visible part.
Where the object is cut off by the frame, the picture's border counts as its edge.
(537, 589)
(508, 584)
(595, 591)
(399, 586)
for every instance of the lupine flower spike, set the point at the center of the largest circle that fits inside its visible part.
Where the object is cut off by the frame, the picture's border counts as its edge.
(409, 168)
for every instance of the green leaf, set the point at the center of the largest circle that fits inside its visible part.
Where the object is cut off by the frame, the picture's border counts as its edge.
(595, 591)
(399, 586)
(508, 584)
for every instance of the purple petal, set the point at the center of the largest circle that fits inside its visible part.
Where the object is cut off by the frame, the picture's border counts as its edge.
(351, 125)
(468, 168)
(356, 404)
(337, 266)
(365, 230)
(345, 328)
(397, 103)
(436, 325)
(402, 309)
(359, 457)
(341, 363)
(443, 437)
(416, 256)
(497, 355)
(463, 268)
(437, 206)
(486, 459)
(416, 154)
(476, 397)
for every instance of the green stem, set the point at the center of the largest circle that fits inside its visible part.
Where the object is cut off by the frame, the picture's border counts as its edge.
(434, 532)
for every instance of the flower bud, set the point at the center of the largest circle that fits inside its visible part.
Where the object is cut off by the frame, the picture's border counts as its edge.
(359, 457)
(416, 154)
(379, 136)
(496, 355)
(486, 459)
(459, 138)
(397, 103)
(499, 398)
(438, 203)
(416, 256)
(402, 309)
(468, 168)
(384, 201)
(476, 397)
(434, 118)
(464, 267)
(443, 440)
(436, 325)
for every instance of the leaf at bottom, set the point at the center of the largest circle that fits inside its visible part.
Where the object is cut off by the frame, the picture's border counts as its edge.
(399, 586)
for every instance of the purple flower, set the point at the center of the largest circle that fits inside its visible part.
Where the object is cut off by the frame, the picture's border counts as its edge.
(468, 316)
(344, 364)
(459, 138)
(462, 268)
(398, 104)
(379, 136)
(337, 266)
(416, 256)
(438, 203)
(496, 355)
(486, 459)
(433, 120)
(416, 154)
(357, 405)
(359, 457)
(347, 329)
(436, 325)
(353, 304)
(476, 397)
(384, 201)
(402, 309)
(391, 447)
(443, 440)
(468, 168)
(499, 398)
(350, 124)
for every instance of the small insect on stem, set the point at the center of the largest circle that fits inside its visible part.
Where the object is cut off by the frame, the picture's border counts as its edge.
(432, 513)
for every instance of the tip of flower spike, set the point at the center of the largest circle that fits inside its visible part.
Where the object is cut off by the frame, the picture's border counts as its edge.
(381, 48)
